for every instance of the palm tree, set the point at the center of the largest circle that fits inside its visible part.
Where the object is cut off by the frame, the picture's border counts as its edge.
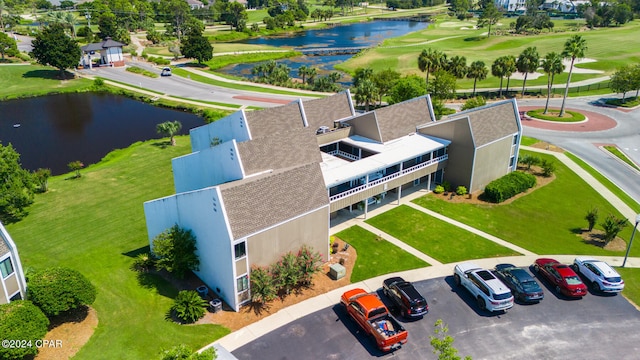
(528, 62)
(477, 71)
(366, 93)
(552, 65)
(70, 20)
(574, 48)
(169, 128)
(497, 70)
(431, 60)
(509, 69)
(457, 66)
(312, 73)
(302, 72)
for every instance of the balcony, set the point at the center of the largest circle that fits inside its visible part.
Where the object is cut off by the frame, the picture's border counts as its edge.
(388, 178)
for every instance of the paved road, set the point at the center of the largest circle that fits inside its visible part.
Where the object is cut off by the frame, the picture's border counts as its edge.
(595, 327)
(626, 135)
(181, 87)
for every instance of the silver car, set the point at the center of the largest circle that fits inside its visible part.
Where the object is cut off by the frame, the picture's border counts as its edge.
(602, 276)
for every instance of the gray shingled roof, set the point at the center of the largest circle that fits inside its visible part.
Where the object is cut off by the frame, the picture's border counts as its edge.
(493, 122)
(279, 151)
(254, 204)
(323, 112)
(401, 119)
(366, 125)
(4, 248)
(107, 43)
(273, 120)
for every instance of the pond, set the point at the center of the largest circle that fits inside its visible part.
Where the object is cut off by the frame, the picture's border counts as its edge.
(51, 131)
(365, 34)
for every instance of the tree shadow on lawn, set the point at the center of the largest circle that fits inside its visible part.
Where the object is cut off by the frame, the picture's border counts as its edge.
(162, 144)
(138, 251)
(48, 74)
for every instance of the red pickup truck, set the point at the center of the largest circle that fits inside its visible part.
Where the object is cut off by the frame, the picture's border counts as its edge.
(373, 317)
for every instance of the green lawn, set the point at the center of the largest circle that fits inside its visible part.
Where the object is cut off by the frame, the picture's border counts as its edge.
(95, 224)
(17, 81)
(631, 279)
(606, 182)
(376, 257)
(545, 221)
(455, 37)
(442, 241)
(615, 151)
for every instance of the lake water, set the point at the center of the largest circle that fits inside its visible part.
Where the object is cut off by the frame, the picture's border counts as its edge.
(55, 130)
(366, 34)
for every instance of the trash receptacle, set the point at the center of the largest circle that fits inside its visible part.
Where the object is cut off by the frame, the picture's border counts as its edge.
(215, 305)
(203, 291)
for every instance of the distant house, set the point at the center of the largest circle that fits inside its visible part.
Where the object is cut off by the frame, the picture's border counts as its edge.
(12, 282)
(195, 4)
(262, 183)
(108, 51)
(511, 5)
(564, 6)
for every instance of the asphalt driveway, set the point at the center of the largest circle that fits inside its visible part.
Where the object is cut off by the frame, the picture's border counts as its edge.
(595, 327)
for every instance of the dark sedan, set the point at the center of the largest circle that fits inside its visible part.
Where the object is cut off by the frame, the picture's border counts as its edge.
(523, 286)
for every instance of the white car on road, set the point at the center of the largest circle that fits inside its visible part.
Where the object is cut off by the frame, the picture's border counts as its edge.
(490, 293)
(602, 276)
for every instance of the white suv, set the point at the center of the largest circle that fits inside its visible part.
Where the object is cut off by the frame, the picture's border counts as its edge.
(490, 293)
(602, 276)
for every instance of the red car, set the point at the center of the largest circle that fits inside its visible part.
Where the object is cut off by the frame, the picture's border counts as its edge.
(565, 280)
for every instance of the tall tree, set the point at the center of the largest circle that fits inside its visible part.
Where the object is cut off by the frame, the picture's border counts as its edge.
(477, 71)
(443, 86)
(3, 6)
(552, 66)
(179, 12)
(527, 62)
(235, 14)
(107, 25)
(70, 20)
(497, 70)
(574, 48)
(457, 66)
(169, 128)
(407, 88)
(622, 80)
(196, 46)
(303, 71)
(16, 186)
(489, 17)
(366, 92)
(54, 48)
(7, 45)
(509, 68)
(385, 80)
(430, 60)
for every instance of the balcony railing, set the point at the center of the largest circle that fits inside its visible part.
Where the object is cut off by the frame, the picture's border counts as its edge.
(344, 155)
(387, 178)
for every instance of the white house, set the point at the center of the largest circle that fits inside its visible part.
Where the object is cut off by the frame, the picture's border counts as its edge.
(108, 51)
(12, 282)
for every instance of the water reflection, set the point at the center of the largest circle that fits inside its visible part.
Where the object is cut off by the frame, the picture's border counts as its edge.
(55, 130)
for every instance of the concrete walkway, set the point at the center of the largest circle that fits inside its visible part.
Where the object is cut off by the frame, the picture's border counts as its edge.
(252, 332)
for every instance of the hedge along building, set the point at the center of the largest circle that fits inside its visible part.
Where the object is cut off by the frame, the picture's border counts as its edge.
(262, 183)
(12, 281)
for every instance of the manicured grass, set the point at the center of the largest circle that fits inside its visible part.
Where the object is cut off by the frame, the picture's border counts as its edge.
(376, 257)
(606, 182)
(401, 53)
(131, 86)
(96, 225)
(628, 102)
(210, 81)
(141, 71)
(620, 155)
(436, 238)
(631, 277)
(221, 61)
(548, 220)
(18, 81)
(234, 106)
(528, 141)
(553, 115)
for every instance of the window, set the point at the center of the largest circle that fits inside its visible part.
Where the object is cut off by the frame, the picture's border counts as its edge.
(240, 250)
(243, 283)
(6, 267)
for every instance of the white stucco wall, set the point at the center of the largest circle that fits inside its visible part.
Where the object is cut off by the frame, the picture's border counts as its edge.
(195, 211)
(230, 127)
(208, 167)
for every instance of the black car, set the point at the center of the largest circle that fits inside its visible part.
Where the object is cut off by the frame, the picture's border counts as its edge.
(405, 297)
(523, 286)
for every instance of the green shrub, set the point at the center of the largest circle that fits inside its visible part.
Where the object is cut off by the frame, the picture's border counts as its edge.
(98, 82)
(263, 288)
(508, 186)
(592, 217)
(175, 250)
(461, 190)
(474, 102)
(21, 320)
(183, 352)
(57, 290)
(439, 189)
(446, 185)
(548, 167)
(141, 71)
(143, 262)
(188, 306)
(309, 262)
(612, 226)
(529, 160)
(158, 60)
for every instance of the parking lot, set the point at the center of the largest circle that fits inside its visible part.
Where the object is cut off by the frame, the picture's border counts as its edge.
(595, 327)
